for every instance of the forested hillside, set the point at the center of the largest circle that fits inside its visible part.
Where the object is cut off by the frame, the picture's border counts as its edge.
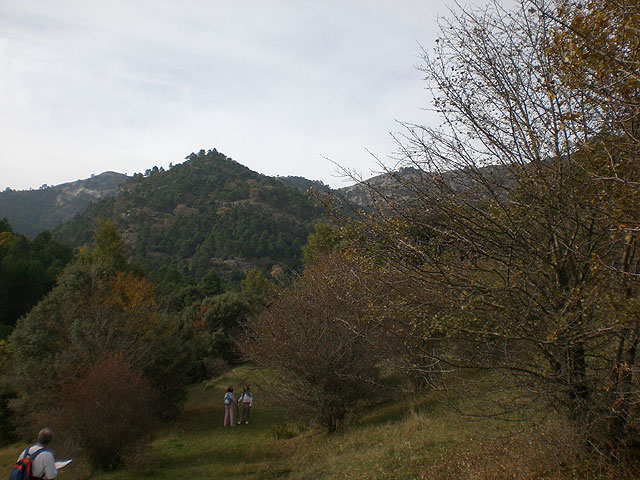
(32, 211)
(28, 270)
(208, 212)
(304, 185)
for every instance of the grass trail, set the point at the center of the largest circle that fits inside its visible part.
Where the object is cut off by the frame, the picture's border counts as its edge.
(409, 439)
(196, 445)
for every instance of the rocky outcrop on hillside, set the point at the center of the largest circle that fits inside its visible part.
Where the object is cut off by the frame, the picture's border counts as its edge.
(391, 184)
(32, 211)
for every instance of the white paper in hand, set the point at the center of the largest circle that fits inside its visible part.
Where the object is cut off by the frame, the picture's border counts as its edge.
(63, 463)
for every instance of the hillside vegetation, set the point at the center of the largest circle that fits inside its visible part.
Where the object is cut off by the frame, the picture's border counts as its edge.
(208, 212)
(510, 247)
(28, 270)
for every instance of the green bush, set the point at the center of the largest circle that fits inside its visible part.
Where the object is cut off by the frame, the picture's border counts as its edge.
(94, 312)
(7, 431)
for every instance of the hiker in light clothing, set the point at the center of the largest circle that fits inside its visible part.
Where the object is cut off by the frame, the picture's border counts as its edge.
(230, 403)
(43, 465)
(246, 399)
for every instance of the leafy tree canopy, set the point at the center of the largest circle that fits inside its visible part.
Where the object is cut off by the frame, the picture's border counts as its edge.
(28, 270)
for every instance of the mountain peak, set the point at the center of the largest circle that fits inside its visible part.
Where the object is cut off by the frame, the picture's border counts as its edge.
(207, 212)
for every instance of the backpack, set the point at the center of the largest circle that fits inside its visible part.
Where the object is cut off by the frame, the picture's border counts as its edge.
(22, 469)
(227, 399)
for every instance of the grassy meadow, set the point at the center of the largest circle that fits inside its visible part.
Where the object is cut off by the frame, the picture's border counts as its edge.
(414, 437)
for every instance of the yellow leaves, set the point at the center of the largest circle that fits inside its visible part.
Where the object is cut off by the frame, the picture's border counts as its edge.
(122, 300)
(6, 240)
(130, 292)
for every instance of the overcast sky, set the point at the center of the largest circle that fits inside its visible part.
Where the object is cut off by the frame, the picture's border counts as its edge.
(92, 85)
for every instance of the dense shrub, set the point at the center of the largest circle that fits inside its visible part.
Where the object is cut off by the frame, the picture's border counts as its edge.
(28, 270)
(100, 313)
(7, 393)
(105, 408)
(221, 315)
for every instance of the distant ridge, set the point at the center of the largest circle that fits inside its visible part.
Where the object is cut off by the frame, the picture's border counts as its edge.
(304, 185)
(32, 211)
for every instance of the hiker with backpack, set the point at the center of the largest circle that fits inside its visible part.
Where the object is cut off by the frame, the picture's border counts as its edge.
(230, 403)
(246, 399)
(36, 461)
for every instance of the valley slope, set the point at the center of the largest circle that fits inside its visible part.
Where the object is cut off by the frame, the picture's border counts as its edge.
(32, 211)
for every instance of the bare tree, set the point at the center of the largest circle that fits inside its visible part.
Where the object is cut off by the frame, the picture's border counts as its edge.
(506, 248)
(312, 337)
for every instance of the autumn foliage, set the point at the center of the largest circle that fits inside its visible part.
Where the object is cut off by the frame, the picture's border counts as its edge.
(313, 336)
(106, 408)
(97, 359)
(512, 247)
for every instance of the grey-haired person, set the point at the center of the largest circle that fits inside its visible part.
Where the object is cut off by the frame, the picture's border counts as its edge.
(43, 464)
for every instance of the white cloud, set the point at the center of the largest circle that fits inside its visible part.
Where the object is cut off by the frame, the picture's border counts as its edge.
(120, 85)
